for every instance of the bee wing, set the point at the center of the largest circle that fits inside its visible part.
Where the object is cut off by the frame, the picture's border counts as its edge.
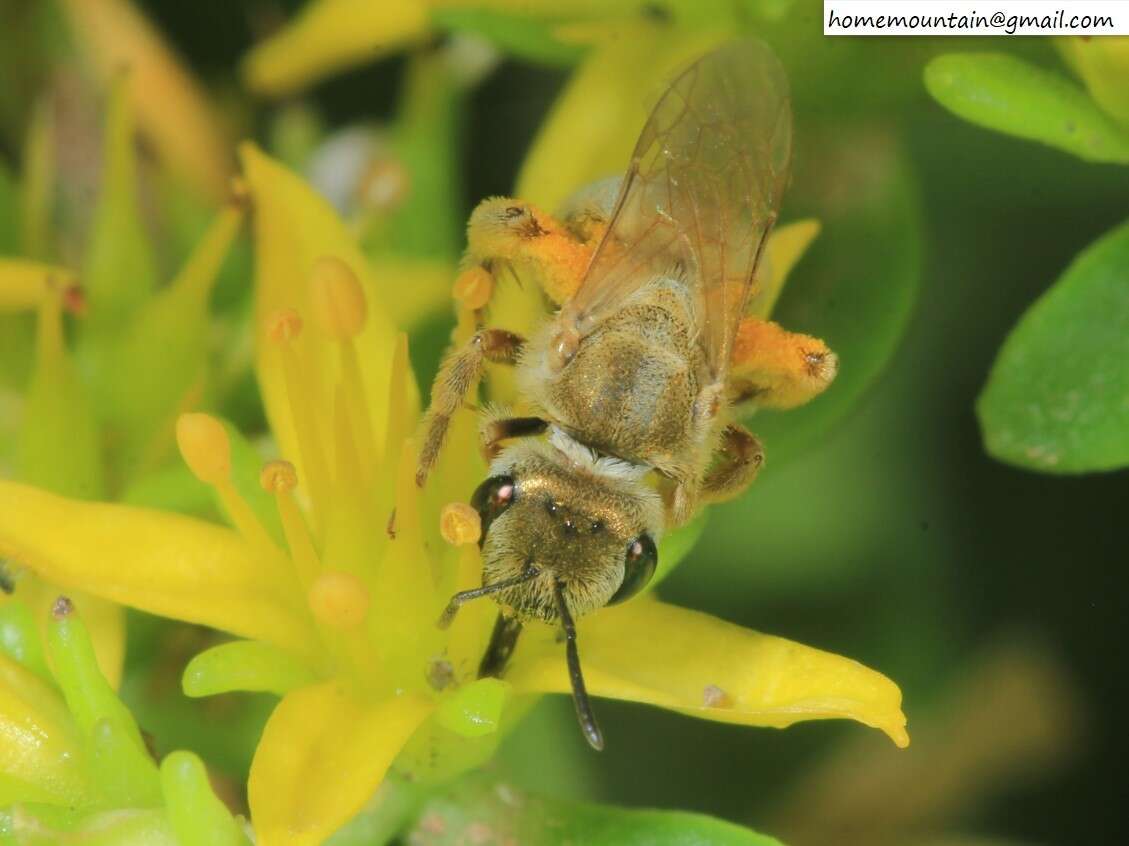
(701, 194)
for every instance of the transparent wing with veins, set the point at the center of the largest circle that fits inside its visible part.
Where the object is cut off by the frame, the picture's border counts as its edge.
(701, 194)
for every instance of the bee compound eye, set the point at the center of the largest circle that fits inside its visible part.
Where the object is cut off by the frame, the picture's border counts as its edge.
(639, 563)
(491, 498)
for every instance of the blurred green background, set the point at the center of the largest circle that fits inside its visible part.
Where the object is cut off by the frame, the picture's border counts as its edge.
(992, 595)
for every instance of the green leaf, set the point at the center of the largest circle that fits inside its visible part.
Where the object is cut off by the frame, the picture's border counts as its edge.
(20, 639)
(9, 212)
(1009, 95)
(499, 813)
(197, 816)
(857, 286)
(244, 665)
(1057, 399)
(45, 825)
(117, 757)
(119, 270)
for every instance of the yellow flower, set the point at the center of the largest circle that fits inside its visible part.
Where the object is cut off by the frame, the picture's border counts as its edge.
(338, 611)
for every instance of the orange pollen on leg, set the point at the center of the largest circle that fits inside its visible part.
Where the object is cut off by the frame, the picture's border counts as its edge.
(339, 599)
(459, 524)
(473, 288)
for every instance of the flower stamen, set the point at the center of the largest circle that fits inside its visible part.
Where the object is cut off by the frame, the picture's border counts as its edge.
(206, 448)
(339, 309)
(283, 328)
(280, 478)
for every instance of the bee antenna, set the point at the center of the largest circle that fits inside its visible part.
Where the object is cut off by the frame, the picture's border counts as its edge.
(579, 693)
(464, 596)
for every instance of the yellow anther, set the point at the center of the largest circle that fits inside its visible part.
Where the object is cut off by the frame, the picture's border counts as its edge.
(278, 477)
(284, 325)
(336, 298)
(206, 448)
(339, 599)
(473, 288)
(459, 524)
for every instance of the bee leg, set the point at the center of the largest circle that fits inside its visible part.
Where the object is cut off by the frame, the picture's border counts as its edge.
(497, 429)
(774, 368)
(501, 647)
(458, 375)
(740, 458)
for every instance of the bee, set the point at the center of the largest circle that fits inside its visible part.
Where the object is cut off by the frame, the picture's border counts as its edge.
(634, 384)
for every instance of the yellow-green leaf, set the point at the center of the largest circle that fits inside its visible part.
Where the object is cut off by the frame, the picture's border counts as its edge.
(1009, 95)
(244, 665)
(119, 271)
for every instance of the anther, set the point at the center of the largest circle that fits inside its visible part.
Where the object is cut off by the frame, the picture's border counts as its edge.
(339, 599)
(284, 325)
(473, 288)
(205, 446)
(459, 524)
(278, 477)
(337, 299)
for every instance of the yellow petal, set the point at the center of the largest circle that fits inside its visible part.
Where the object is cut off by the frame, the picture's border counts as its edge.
(293, 228)
(648, 651)
(1103, 64)
(595, 123)
(163, 563)
(40, 750)
(330, 35)
(171, 109)
(785, 247)
(321, 757)
(24, 284)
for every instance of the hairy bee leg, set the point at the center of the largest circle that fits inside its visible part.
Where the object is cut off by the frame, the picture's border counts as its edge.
(458, 375)
(740, 459)
(580, 699)
(503, 231)
(774, 368)
(501, 647)
(494, 431)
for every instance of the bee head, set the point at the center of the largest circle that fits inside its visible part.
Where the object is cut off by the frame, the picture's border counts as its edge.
(545, 514)
(503, 226)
